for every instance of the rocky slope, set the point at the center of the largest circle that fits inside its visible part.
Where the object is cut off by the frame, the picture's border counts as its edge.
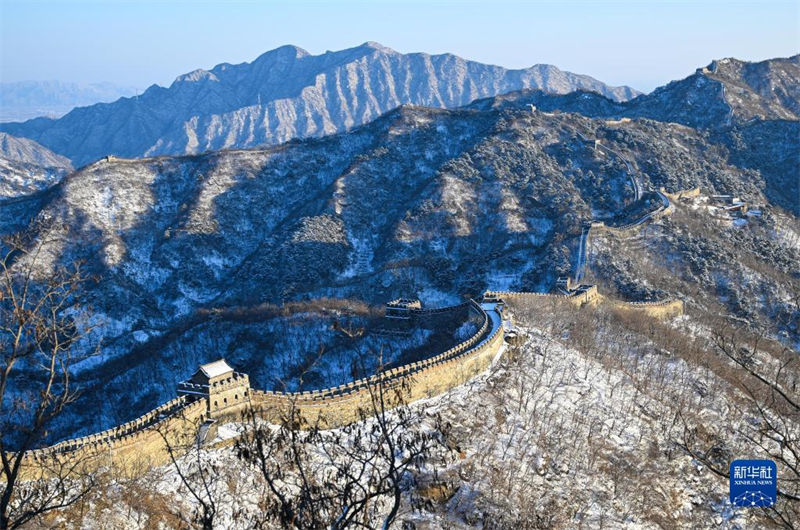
(27, 151)
(726, 93)
(440, 203)
(285, 93)
(27, 167)
(565, 431)
(750, 109)
(741, 91)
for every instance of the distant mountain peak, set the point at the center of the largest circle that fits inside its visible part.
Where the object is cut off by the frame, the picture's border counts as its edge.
(287, 93)
(726, 93)
(377, 46)
(195, 76)
(287, 51)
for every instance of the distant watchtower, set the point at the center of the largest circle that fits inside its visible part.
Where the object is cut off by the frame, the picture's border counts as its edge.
(400, 315)
(225, 391)
(401, 308)
(565, 284)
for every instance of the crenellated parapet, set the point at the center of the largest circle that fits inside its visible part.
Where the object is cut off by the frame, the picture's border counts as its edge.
(579, 296)
(404, 314)
(589, 295)
(659, 309)
(217, 392)
(682, 194)
(423, 379)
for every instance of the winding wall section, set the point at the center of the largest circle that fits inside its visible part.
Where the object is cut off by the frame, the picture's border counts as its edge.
(141, 443)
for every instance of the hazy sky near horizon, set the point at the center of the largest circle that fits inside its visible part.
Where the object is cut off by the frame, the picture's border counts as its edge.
(643, 44)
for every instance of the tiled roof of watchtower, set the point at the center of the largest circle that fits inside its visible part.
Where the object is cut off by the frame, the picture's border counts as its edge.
(215, 369)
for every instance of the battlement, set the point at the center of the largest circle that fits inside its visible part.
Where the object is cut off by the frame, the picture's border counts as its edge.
(224, 390)
(577, 295)
(682, 194)
(658, 309)
(405, 303)
(216, 392)
(589, 295)
(403, 314)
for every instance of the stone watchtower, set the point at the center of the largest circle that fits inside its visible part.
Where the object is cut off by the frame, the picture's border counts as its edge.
(400, 315)
(565, 284)
(226, 392)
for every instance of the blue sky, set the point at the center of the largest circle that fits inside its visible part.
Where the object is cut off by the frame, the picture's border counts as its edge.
(140, 42)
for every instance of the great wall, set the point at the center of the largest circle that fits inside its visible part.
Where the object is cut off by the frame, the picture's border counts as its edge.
(193, 416)
(216, 393)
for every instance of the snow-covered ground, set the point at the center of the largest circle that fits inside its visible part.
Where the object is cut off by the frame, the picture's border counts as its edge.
(551, 436)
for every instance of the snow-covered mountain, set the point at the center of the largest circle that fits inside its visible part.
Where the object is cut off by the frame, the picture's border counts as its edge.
(29, 152)
(26, 166)
(285, 93)
(440, 203)
(752, 108)
(727, 92)
(279, 259)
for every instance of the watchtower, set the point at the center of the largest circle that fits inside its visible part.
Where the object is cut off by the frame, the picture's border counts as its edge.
(400, 315)
(226, 392)
(401, 308)
(565, 284)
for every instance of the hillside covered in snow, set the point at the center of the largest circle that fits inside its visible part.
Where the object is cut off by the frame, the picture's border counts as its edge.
(283, 94)
(281, 258)
(442, 204)
(27, 167)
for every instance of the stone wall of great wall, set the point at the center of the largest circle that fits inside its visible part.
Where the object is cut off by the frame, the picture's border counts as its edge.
(134, 446)
(682, 194)
(590, 296)
(129, 450)
(426, 378)
(661, 309)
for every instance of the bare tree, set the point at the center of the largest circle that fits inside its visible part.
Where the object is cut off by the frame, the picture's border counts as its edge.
(37, 337)
(198, 476)
(769, 383)
(354, 476)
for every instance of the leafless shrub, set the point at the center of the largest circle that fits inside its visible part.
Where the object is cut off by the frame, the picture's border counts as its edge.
(37, 338)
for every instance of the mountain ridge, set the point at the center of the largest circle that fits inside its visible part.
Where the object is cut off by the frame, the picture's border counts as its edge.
(441, 202)
(703, 99)
(28, 167)
(283, 94)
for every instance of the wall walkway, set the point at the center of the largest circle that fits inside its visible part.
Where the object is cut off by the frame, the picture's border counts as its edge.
(133, 447)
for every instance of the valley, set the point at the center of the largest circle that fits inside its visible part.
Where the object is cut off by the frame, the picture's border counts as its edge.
(583, 292)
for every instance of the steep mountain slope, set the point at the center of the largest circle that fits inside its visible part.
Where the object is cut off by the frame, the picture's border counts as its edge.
(573, 425)
(442, 203)
(750, 109)
(23, 100)
(285, 93)
(29, 152)
(26, 166)
(740, 92)
(774, 81)
(726, 93)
